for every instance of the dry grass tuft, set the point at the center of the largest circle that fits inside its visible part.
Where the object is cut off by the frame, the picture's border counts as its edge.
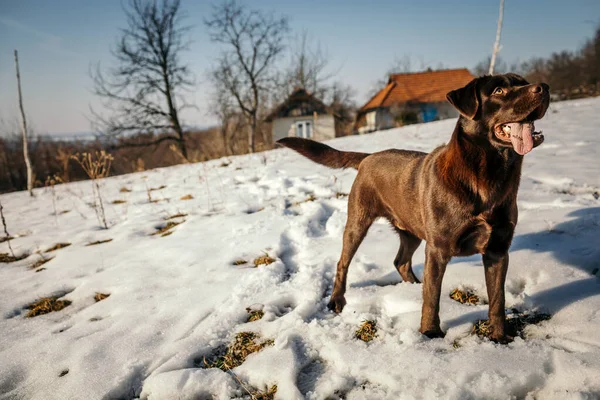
(254, 315)
(240, 262)
(40, 270)
(101, 296)
(244, 344)
(6, 239)
(58, 246)
(39, 263)
(464, 296)
(187, 197)
(260, 395)
(161, 187)
(311, 197)
(8, 258)
(166, 229)
(124, 190)
(99, 242)
(515, 324)
(63, 373)
(179, 215)
(46, 305)
(119, 201)
(263, 260)
(64, 212)
(367, 331)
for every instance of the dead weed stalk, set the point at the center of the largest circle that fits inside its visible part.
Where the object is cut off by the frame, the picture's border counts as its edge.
(96, 166)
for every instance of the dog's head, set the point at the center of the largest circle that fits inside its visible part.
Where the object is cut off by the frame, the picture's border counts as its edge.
(502, 109)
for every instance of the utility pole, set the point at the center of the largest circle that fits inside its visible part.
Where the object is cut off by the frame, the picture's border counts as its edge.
(24, 129)
(497, 46)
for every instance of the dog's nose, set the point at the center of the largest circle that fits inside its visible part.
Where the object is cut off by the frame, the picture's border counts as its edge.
(536, 89)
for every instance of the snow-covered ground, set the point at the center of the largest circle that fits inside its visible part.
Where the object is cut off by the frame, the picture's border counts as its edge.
(175, 299)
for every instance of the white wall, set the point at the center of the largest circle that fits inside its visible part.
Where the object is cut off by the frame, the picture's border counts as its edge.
(323, 127)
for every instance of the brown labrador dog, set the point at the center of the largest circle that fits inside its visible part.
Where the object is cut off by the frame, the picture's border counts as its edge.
(461, 198)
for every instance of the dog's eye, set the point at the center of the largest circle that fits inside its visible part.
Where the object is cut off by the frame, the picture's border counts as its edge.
(499, 90)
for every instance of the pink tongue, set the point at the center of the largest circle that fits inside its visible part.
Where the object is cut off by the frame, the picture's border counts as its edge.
(520, 136)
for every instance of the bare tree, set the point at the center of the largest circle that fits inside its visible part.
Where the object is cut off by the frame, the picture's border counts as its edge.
(308, 68)
(253, 42)
(497, 46)
(24, 129)
(143, 92)
(230, 121)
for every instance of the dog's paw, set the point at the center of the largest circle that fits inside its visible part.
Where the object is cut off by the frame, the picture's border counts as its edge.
(434, 333)
(502, 339)
(336, 304)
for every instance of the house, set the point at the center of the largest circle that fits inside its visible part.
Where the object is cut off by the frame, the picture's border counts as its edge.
(302, 115)
(411, 98)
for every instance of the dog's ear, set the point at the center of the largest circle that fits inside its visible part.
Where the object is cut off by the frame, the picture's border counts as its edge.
(465, 99)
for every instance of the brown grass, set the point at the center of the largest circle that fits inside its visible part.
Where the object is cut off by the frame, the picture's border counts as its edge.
(100, 296)
(166, 229)
(244, 344)
(6, 238)
(240, 262)
(99, 242)
(58, 246)
(39, 263)
(515, 324)
(124, 190)
(367, 331)
(8, 258)
(161, 187)
(187, 197)
(40, 270)
(311, 197)
(260, 395)
(119, 201)
(46, 305)
(464, 296)
(263, 260)
(64, 212)
(179, 215)
(254, 315)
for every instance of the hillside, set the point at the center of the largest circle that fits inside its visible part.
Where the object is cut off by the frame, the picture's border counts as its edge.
(176, 297)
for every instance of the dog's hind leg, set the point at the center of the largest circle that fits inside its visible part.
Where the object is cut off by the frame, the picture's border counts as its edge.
(403, 261)
(359, 221)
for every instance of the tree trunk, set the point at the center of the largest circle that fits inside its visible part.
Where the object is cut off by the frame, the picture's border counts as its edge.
(24, 129)
(497, 42)
(252, 135)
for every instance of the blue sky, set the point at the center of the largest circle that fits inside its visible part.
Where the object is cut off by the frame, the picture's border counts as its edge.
(59, 40)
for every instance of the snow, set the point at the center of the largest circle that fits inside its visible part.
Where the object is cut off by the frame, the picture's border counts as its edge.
(175, 299)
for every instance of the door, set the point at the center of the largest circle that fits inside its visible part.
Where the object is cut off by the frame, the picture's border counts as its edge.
(304, 129)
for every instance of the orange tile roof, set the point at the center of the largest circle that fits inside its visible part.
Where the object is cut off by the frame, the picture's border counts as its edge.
(419, 87)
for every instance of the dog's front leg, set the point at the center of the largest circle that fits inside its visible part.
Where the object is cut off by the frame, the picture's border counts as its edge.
(496, 265)
(435, 266)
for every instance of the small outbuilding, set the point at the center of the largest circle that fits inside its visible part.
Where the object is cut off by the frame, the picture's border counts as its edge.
(302, 115)
(411, 98)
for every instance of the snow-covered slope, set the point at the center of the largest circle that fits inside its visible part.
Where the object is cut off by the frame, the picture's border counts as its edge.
(175, 299)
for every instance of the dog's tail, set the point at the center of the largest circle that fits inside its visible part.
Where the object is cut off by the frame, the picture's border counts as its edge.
(323, 154)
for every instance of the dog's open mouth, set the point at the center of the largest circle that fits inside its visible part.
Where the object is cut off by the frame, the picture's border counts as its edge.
(521, 135)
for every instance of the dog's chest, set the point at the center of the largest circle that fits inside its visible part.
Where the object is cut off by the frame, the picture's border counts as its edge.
(474, 236)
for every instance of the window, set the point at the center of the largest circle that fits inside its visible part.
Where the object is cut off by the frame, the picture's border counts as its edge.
(304, 129)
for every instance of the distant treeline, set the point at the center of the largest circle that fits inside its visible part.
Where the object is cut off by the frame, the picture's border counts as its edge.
(52, 158)
(570, 74)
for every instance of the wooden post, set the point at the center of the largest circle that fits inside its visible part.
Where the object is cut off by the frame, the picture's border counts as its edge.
(497, 46)
(24, 129)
